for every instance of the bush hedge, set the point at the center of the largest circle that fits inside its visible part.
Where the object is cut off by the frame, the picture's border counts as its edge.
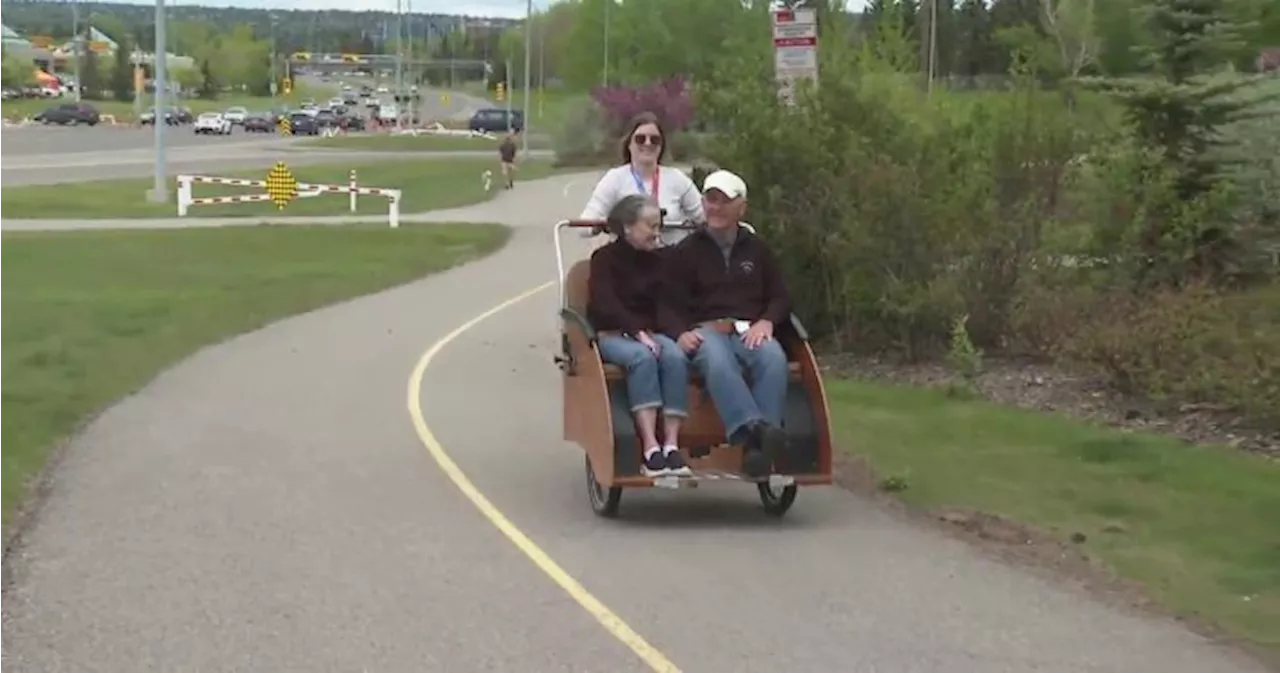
(1027, 215)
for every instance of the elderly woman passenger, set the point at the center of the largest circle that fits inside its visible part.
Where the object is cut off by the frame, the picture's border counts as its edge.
(627, 306)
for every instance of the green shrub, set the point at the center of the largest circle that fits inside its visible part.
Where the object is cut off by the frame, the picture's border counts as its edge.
(1191, 345)
(894, 211)
(582, 140)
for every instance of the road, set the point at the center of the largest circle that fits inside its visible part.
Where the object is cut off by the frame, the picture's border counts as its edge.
(276, 503)
(71, 154)
(23, 141)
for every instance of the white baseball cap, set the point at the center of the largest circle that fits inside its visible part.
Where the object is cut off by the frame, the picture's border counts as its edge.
(729, 183)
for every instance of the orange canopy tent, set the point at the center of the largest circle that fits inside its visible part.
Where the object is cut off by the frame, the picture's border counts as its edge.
(45, 79)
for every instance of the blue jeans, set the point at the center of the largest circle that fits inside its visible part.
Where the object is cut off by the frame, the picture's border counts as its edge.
(652, 382)
(721, 361)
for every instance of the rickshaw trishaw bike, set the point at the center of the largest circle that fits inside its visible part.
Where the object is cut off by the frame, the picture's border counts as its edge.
(598, 419)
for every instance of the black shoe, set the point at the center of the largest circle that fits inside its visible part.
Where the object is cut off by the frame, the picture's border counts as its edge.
(763, 444)
(676, 465)
(655, 465)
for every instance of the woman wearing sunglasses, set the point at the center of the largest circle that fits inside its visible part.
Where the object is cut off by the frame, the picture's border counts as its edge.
(642, 173)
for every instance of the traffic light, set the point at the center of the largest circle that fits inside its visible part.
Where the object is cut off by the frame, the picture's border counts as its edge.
(501, 91)
(288, 86)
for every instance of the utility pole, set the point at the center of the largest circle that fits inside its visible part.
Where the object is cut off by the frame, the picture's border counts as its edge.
(604, 77)
(75, 45)
(159, 190)
(399, 61)
(542, 64)
(528, 58)
(933, 43)
(274, 80)
(413, 78)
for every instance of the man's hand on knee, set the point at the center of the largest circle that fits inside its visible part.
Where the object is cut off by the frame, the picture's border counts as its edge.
(757, 334)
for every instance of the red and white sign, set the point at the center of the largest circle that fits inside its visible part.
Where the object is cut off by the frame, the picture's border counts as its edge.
(795, 49)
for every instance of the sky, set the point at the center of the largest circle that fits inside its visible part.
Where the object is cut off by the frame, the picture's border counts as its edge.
(490, 8)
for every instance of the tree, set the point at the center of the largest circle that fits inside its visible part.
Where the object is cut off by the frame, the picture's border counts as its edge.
(91, 84)
(17, 71)
(1182, 112)
(122, 74)
(1071, 25)
(209, 85)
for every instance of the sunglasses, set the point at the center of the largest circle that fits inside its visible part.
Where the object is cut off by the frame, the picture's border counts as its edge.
(646, 139)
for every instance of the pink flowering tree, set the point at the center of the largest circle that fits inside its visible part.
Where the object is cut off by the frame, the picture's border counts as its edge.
(671, 100)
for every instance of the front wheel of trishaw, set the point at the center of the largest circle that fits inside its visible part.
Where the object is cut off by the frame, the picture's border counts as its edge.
(776, 503)
(604, 501)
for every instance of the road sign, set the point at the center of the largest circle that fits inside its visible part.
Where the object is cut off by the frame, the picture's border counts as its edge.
(285, 126)
(444, 99)
(282, 187)
(795, 50)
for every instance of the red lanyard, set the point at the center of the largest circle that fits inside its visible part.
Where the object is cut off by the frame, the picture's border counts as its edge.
(657, 177)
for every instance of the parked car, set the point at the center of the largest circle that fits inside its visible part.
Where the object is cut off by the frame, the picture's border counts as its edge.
(173, 116)
(325, 118)
(304, 124)
(351, 122)
(69, 113)
(235, 115)
(260, 122)
(212, 123)
(495, 120)
(388, 113)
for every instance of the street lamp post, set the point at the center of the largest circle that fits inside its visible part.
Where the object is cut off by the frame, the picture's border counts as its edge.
(159, 191)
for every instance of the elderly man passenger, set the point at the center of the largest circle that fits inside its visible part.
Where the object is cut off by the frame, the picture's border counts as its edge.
(730, 293)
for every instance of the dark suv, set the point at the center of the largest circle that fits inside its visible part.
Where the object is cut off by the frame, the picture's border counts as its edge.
(69, 113)
(494, 120)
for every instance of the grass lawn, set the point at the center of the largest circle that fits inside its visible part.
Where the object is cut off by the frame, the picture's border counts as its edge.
(124, 111)
(385, 142)
(427, 184)
(123, 305)
(1197, 526)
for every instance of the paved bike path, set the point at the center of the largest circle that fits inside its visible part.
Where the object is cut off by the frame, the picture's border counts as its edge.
(267, 505)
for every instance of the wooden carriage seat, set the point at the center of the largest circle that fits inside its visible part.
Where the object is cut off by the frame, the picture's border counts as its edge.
(576, 297)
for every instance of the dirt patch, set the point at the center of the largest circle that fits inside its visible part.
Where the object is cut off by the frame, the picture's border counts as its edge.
(1034, 385)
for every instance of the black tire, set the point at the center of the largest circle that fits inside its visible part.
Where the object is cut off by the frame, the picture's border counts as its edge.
(776, 504)
(604, 501)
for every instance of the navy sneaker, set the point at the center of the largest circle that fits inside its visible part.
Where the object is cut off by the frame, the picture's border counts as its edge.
(655, 465)
(676, 465)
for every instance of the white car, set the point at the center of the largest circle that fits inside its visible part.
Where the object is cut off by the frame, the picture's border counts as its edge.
(212, 122)
(335, 102)
(235, 115)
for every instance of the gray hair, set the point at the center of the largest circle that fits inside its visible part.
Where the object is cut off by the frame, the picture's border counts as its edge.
(628, 211)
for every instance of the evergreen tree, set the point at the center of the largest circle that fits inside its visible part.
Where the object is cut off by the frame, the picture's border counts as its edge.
(122, 74)
(209, 85)
(90, 76)
(1183, 109)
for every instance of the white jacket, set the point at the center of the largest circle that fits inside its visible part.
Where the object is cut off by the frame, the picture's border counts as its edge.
(677, 194)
